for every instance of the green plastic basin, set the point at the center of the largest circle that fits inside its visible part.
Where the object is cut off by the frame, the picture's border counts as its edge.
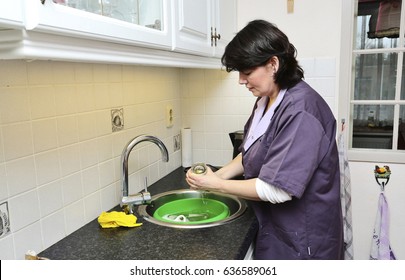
(192, 211)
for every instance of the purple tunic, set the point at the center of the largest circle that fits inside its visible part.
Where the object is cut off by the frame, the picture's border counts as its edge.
(298, 154)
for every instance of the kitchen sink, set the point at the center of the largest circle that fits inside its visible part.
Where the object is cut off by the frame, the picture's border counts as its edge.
(192, 209)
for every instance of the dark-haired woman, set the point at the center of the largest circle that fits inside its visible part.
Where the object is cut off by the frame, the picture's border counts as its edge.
(288, 158)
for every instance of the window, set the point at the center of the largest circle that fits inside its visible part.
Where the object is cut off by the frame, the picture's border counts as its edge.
(377, 99)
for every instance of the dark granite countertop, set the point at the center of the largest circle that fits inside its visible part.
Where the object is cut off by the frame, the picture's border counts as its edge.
(151, 241)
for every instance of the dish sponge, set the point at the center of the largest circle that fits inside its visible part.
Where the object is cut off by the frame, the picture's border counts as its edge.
(116, 219)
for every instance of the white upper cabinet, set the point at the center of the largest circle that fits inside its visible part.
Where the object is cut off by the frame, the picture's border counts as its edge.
(11, 14)
(225, 24)
(203, 27)
(133, 22)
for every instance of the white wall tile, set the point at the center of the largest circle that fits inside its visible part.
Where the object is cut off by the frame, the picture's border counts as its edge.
(100, 73)
(87, 126)
(91, 180)
(24, 210)
(13, 73)
(104, 147)
(83, 73)
(103, 122)
(325, 67)
(7, 248)
(66, 99)
(39, 72)
(109, 197)
(28, 238)
(14, 105)
(47, 167)
(102, 96)
(88, 153)
(42, 102)
(17, 140)
(86, 97)
(129, 93)
(92, 206)
(53, 228)
(3, 183)
(308, 65)
(116, 98)
(50, 198)
(67, 130)
(44, 135)
(106, 176)
(74, 216)
(21, 175)
(72, 188)
(63, 72)
(69, 159)
(1, 146)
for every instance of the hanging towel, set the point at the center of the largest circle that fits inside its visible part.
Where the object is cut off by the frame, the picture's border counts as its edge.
(345, 197)
(116, 219)
(380, 246)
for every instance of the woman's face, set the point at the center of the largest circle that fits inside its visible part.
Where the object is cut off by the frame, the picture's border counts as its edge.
(260, 80)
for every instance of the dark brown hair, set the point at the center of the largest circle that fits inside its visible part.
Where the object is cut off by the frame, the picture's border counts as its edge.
(256, 44)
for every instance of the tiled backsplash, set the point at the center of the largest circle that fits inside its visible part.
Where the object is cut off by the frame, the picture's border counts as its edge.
(60, 160)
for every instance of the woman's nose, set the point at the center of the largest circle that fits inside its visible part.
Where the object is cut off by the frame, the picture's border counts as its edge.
(242, 79)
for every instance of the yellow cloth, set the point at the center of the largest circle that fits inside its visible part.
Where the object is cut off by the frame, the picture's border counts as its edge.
(116, 219)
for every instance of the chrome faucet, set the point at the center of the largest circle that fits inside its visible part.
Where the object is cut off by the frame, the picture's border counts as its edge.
(128, 201)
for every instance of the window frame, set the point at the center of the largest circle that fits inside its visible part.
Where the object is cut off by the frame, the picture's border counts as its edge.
(346, 84)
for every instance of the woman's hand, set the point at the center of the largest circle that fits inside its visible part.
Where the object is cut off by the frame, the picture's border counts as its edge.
(209, 181)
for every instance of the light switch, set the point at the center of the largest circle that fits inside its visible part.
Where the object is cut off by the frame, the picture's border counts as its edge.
(290, 6)
(169, 115)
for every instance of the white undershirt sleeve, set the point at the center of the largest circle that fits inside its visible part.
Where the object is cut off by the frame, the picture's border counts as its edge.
(268, 192)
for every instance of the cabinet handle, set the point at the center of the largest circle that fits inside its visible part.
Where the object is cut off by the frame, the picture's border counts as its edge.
(214, 37)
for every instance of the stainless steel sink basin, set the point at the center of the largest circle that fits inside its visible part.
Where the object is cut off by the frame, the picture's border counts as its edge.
(235, 205)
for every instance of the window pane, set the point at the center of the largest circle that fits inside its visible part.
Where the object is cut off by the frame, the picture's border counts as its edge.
(401, 130)
(373, 126)
(146, 13)
(375, 76)
(378, 24)
(403, 82)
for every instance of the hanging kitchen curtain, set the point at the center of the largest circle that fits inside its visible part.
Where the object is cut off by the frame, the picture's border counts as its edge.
(384, 19)
(345, 196)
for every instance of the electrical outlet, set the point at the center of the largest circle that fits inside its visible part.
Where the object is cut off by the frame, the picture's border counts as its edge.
(169, 115)
(117, 119)
(176, 142)
(4, 219)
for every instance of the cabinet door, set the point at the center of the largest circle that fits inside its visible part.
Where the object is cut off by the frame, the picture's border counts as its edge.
(225, 24)
(67, 21)
(192, 24)
(11, 14)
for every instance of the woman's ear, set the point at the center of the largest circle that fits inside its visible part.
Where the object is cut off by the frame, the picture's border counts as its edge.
(273, 64)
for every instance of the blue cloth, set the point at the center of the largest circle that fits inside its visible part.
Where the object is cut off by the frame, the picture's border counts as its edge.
(298, 154)
(380, 246)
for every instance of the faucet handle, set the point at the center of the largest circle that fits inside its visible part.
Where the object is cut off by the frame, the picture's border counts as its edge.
(146, 195)
(146, 184)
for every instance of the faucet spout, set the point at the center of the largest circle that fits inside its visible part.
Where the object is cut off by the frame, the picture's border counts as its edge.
(143, 196)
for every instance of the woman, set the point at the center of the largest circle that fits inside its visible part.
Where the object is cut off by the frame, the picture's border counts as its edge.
(289, 156)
